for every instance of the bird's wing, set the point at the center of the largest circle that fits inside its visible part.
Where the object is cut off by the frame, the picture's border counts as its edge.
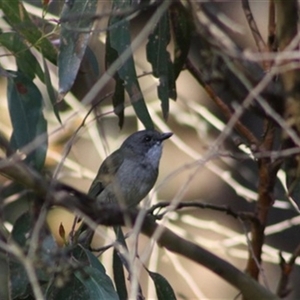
(106, 173)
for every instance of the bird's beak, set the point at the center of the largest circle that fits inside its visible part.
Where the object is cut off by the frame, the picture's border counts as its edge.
(165, 136)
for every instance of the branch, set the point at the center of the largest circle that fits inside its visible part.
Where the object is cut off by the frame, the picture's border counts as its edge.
(272, 43)
(286, 269)
(260, 43)
(267, 175)
(111, 215)
(244, 131)
(197, 204)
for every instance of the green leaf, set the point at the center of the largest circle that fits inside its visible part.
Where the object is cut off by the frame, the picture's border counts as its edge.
(93, 260)
(26, 61)
(18, 281)
(17, 16)
(50, 90)
(17, 275)
(73, 289)
(164, 291)
(21, 229)
(119, 95)
(182, 28)
(25, 105)
(120, 40)
(160, 60)
(93, 276)
(74, 37)
(47, 251)
(119, 276)
(97, 283)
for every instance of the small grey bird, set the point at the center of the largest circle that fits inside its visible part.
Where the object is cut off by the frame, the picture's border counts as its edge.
(128, 174)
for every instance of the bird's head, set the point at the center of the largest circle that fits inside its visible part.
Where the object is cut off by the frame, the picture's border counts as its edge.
(146, 143)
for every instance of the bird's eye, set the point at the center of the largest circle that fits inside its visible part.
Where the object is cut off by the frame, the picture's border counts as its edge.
(147, 138)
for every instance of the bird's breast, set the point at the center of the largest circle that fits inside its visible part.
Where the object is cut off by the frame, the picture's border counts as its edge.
(133, 181)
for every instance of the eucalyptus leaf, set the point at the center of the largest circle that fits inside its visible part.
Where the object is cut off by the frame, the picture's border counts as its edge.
(182, 28)
(119, 95)
(119, 39)
(26, 61)
(17, 16)
(51, 91)
(119, 276)
(97, 283)
(74, 37)
(159, 57)
(73, 289)
(164, 290)
(25, 105)
(18, 279)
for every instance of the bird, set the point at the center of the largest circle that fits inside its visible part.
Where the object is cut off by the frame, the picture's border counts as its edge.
(127, 175)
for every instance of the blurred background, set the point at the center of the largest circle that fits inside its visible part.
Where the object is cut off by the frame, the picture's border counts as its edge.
(196, 122)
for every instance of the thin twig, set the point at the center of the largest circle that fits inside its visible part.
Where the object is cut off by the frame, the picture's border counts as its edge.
(198, 204)
(286, 269)
(252, 253)
(70, 143)
(260, 43)
(272, 44)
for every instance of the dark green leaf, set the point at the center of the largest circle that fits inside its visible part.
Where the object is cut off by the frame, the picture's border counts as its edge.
(29, 125)
(21, 229)
(50, 90)
(73, 289)
(164, 291)
(26, 61)
(160, 60)
(93, 260)
(182, 28)
(120, 40)
(17, 16)
(119, 97)
(17, 274)
(119, 276)
(89, 282)
(75, 32)
(119, 260)
(121, 240)
(18, 280)
(97, 283)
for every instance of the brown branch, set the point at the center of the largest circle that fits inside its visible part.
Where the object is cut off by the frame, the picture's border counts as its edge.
(110, 215)
(260, 43)
(244, 131)
(286, 269)
(267, 176)
(19, 172)
(272, 44)
(197, 204)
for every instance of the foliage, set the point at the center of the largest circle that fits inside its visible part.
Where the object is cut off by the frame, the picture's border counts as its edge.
(253, 133)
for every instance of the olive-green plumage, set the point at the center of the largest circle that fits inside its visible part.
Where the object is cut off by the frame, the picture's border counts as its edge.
(128, 174)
